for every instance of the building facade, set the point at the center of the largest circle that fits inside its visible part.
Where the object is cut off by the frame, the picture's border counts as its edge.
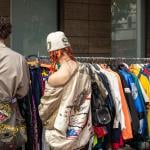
(95, 27)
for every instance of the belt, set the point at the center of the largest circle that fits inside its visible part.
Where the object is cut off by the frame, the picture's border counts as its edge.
(8, 100)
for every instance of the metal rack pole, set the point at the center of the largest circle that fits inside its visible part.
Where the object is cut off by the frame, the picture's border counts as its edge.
(109, 59)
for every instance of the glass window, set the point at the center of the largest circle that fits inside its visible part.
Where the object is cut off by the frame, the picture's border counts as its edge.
(126, 28)
(32, 20)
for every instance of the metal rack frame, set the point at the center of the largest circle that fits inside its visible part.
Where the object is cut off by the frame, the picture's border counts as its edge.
(106, 59)
(112, 59)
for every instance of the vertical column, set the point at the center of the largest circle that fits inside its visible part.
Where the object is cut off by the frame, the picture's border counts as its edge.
(140, 28)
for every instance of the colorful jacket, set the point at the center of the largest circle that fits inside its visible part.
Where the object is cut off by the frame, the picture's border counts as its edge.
(65, 112)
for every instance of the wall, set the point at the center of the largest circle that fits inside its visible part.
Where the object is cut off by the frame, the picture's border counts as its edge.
(5, 8)
(87, 23)
(147, 28)
(5, 11)
(32, 20)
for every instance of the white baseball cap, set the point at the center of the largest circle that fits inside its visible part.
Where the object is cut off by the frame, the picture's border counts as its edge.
(57, 40)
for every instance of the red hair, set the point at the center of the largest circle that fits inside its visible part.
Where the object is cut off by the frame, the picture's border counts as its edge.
(55, 56)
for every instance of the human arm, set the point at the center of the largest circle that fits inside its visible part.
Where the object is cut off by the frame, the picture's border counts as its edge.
(24, 79)
(60, 77)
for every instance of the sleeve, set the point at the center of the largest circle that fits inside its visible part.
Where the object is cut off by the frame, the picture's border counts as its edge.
(24, 79)
(49, 105)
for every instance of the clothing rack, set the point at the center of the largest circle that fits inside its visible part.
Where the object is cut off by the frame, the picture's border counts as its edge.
(112, 59)
(106, 59)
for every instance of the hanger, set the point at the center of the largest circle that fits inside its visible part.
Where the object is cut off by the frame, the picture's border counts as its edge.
(32, 60)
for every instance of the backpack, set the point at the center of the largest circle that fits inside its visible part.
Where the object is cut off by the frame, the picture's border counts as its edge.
(100, 112)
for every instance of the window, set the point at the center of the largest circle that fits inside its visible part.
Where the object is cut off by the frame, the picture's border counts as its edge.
(127, 28)
(32, 21)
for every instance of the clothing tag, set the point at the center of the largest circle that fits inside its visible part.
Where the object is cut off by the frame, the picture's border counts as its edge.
(127, 90)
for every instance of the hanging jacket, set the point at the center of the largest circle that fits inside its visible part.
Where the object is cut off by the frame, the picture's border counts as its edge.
(143, 79)
(127, 132)
(100, 111)
(131, 106)
(109, 99)
(137, 100)
(144, 114)
(119, 117)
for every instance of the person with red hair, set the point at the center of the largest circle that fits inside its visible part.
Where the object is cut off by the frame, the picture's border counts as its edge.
(60, 53)
(65, 106)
